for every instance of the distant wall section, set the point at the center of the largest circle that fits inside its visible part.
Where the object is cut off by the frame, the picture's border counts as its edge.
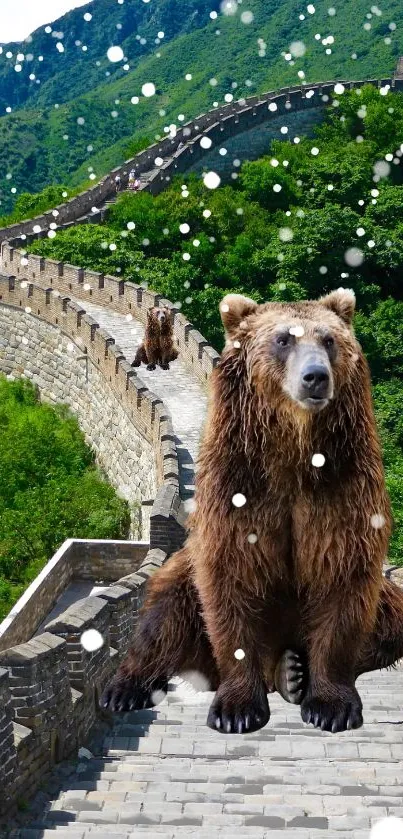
(255, 142)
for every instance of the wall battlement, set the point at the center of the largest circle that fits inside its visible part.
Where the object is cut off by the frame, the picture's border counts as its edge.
(50, 686)
(30, 276)
(144, 409)
(218, 124)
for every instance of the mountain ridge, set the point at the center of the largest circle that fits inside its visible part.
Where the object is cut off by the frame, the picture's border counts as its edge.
(40, 144)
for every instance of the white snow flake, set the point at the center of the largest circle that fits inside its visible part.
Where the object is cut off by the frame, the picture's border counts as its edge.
(298, 331)
(239, 654)
(115, 54)
(318, 460)
(387, 828)
(378, 521)
(354, 257)
(148, 89)
(285, 234)
(92, 640)
(211, 180)
(297, 49)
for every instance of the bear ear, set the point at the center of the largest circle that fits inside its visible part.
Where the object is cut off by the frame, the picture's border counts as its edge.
(235, 307)
(342, 303)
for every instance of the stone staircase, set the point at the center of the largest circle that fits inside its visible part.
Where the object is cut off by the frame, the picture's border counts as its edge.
(144, 179)
(162, 773)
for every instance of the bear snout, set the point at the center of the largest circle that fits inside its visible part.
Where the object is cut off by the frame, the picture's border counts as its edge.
(315, 382)
(312, 385)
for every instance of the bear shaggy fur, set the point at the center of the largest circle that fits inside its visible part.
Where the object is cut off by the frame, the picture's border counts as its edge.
(284, 556)
(158, 345)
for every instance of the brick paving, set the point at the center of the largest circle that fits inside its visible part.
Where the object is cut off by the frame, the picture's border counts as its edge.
(163, 773)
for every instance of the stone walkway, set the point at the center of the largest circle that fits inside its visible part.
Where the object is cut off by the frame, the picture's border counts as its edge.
(181, 393)
(164, 774)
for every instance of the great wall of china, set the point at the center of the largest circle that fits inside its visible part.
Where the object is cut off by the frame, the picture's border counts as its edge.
(73, 332)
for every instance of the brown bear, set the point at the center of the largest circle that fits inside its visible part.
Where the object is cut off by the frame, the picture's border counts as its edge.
(158, 345)
(285, 550)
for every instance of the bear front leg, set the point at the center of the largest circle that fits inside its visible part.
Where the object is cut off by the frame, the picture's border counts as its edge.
(170, 639)
(140, 357)
(153, 356)
(235, 631)
(336, 633)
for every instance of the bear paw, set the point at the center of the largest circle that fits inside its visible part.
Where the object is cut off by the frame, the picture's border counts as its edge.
(291, 677)
(129, 693)
(135, 364)
(230, 715)
(150, 366)
(339, 714)
(165, 366)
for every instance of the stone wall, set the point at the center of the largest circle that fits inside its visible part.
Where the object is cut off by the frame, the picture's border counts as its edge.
(59, 280)
(144, 411)
(33, 349)
(50, 686)
(255, 142)
(95, 560)
(218, 123)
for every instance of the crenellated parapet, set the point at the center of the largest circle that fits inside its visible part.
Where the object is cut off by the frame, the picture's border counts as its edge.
(144, 408)
(181, 152)
(50, 685)
(59, 280)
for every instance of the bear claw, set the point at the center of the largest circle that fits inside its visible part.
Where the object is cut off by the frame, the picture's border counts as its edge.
(130, 694)
(229, 716)
(339, 714)
(291, 677)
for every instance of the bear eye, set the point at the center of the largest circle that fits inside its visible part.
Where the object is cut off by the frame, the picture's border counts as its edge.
(329, 342)
(283, 340)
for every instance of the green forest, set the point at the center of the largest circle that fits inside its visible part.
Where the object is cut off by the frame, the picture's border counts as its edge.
(76, 117)
(50, 489)
(306, 218)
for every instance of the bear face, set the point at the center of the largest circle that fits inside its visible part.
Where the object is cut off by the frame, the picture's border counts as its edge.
(165, 320)
(296, 355)
(158, 315)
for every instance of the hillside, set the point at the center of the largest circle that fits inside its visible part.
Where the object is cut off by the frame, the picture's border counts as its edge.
(50, 488)
(41, 143)
(74, 49)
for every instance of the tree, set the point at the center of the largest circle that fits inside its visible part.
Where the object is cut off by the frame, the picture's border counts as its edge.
(271, 186)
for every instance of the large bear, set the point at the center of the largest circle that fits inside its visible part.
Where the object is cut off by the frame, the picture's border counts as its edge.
(158, 345)
(284, 556)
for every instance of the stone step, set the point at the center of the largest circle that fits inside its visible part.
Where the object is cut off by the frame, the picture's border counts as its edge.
(92, 831)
